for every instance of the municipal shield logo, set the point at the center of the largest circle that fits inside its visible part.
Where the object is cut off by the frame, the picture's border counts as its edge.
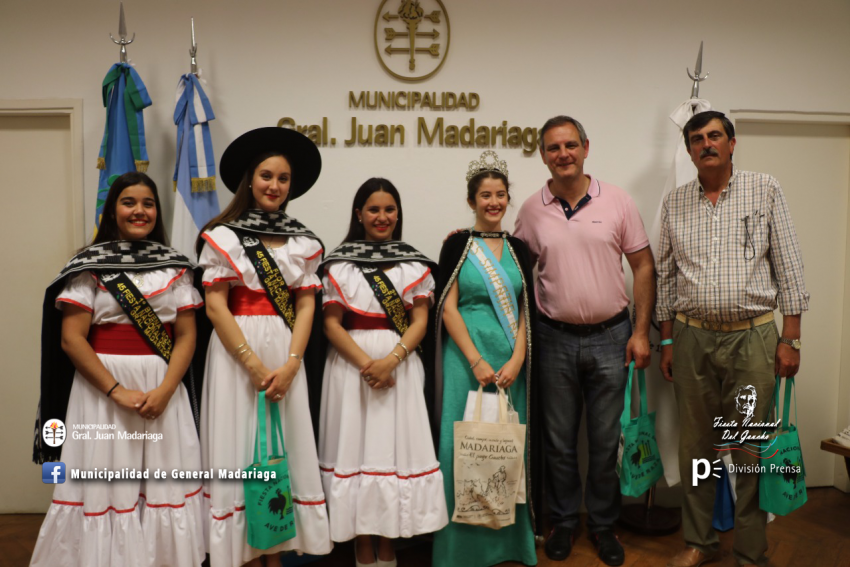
(54, 432)
(412, 37)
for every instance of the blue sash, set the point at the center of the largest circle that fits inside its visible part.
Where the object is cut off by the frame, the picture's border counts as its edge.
(498, 286)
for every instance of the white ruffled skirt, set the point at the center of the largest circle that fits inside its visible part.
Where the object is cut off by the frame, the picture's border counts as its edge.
(228, 429)
(379, 468)
(144, 523)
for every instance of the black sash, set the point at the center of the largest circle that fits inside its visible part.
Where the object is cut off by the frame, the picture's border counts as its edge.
(270, 276)
(387, 296)
(141, 314)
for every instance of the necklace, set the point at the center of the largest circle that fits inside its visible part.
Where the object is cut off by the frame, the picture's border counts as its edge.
(270, 244)
(495, 249)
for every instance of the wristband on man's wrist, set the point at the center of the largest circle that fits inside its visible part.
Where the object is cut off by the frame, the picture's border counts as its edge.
(666, 342)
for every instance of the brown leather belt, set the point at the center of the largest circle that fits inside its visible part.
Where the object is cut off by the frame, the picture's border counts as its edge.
(724, 327)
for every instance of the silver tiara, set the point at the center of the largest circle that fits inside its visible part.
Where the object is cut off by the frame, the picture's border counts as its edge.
(489, 162)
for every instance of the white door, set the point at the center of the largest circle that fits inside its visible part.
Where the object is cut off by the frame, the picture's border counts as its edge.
(812, 164)
(37, 238)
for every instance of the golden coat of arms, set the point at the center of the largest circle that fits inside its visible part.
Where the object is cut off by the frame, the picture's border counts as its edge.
(412, 37)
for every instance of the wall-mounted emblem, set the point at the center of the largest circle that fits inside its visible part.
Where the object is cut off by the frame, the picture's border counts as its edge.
(412, 37)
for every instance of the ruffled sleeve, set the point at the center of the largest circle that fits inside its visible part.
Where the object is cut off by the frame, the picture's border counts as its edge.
(79, 290)
(331, 292)
(305, 255)
(216, 266)
(418, 283)
(185, 294)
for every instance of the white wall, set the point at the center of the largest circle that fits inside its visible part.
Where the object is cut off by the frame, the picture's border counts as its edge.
(617, 66)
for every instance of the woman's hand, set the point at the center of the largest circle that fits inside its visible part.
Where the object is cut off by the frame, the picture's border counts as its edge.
(484, 373)
(257, 372)
(277, 382)
(378, 373)
(507, 374)
(128, 399)
(155, 402)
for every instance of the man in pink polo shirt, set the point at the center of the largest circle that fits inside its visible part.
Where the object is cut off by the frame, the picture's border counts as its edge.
(578, 228)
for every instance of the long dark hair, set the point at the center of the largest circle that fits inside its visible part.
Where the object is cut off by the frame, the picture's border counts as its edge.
(244, 197)
(108, 229)
(372, 185)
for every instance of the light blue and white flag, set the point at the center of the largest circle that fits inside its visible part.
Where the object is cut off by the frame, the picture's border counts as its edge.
(660, 392)
(196, 201)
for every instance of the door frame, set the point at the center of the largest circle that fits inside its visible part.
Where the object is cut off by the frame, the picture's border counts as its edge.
(840, 478)
(73, 109)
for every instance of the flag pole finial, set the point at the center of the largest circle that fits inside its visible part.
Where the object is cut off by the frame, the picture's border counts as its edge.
(696, 76)
(122, 34)
(193, 51)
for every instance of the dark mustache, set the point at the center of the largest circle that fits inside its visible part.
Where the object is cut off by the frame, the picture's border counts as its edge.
(708, 152)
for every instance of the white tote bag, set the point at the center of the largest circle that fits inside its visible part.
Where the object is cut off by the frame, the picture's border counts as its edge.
(490, 414)
(488, 459)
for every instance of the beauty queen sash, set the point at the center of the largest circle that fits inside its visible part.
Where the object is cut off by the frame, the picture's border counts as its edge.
(270, 277)
(497, 283)
(139, 311)
(388, 297)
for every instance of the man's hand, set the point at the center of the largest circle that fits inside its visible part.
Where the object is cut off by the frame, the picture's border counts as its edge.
(637, 349)
(667, 362)
(787, 360)
(452, 233)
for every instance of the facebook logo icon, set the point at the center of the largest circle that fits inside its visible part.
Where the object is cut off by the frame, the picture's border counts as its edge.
(53, 473)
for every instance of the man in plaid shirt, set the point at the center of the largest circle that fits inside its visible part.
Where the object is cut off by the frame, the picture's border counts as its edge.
(728, 258)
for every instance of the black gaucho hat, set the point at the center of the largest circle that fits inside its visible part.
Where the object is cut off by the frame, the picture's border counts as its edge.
(303, 156)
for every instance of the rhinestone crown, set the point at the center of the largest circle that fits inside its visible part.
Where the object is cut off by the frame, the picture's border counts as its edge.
(489, 162)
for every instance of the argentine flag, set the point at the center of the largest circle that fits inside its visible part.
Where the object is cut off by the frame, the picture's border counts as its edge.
(196, 201)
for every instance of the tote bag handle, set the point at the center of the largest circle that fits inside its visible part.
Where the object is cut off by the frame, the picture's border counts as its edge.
(277, 431)
(626, 416)
(786, 406)
(503, 405)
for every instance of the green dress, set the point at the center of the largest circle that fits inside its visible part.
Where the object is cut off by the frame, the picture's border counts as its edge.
(462, 544)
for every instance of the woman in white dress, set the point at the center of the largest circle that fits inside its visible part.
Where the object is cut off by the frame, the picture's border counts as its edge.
(379, 468)
(257, 344)
(124, 407)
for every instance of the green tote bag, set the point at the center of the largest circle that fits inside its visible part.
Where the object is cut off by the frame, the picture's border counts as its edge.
(782, 482)
(268, 504)
(638, 460)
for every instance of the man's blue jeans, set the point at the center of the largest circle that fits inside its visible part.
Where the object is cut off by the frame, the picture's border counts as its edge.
(576, 370)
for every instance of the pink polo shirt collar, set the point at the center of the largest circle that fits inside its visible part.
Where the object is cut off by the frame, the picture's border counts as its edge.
(593, 190)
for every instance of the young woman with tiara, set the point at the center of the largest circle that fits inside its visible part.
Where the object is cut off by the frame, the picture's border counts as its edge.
(118, 337)
(487, 342)
(379, 468)
(262, 312)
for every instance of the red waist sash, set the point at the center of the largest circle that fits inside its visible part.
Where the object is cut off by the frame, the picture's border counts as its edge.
(114, 338)
(356, 322)
(244, 301)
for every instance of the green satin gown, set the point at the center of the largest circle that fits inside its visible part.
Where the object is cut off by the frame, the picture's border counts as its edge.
(462, 544)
